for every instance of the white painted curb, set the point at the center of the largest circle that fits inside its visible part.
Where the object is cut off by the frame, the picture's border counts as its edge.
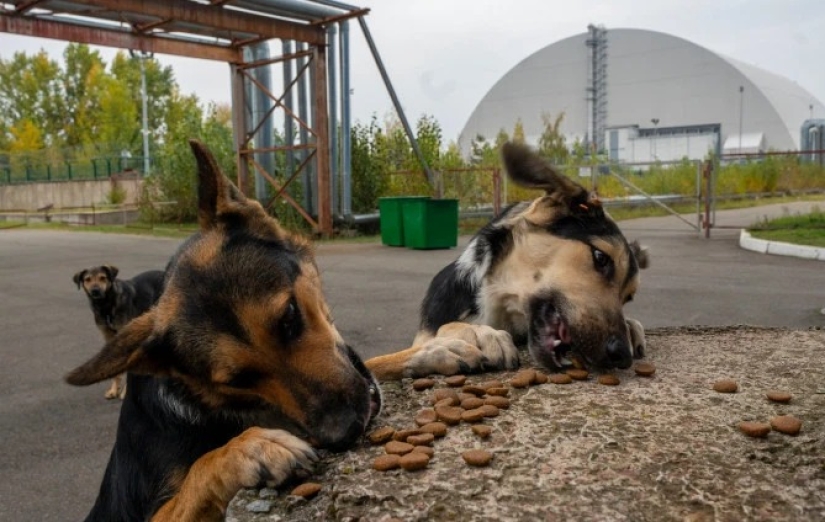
(779, 248)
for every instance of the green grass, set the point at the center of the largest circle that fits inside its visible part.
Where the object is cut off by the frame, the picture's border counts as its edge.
(803, 229)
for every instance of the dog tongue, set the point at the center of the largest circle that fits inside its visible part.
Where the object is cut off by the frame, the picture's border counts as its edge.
(563, 334)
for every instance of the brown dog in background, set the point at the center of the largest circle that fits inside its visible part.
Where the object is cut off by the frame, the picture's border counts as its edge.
(115, 302)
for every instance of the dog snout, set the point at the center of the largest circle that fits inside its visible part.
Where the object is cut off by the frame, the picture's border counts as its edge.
(618, 353)
(96, 292)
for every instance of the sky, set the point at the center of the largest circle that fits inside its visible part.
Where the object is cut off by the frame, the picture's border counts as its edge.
(444, 55)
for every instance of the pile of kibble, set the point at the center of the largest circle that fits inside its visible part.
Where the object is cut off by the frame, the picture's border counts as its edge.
(463, 403)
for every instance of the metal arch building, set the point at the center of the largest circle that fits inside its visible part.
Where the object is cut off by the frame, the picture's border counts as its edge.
(657, 86)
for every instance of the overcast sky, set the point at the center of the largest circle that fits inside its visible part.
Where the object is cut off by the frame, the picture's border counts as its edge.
(444, 55)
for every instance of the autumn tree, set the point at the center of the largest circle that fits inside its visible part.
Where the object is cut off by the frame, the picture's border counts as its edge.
(552, 143)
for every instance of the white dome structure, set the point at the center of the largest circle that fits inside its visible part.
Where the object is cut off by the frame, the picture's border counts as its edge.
(657, 87)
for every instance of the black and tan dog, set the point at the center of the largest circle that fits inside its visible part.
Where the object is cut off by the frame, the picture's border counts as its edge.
(553, 273)
(115, 302)
(234, 375)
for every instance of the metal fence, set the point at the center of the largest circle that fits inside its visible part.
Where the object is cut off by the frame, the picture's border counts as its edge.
(38, 170)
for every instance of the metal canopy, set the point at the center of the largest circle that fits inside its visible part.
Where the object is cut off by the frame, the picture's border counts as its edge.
(229, 31)
(206, 29)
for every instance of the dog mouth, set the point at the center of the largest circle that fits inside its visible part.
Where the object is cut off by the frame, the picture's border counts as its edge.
(554, 341)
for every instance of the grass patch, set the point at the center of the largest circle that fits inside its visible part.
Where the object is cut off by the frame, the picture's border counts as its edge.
(802, 229)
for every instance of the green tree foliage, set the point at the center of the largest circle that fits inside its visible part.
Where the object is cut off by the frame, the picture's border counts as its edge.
(552, 143)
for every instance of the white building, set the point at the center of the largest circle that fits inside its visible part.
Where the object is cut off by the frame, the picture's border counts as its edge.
(666, 98)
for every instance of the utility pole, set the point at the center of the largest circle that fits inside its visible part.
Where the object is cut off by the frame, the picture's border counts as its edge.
(655, 122)
(142, 57)
(741, 113)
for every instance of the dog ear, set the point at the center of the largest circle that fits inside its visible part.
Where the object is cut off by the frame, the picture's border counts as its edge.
(111, 271)
(641, 254)
(526, 168)
(130, 350)
(78, 277)
(216, 194)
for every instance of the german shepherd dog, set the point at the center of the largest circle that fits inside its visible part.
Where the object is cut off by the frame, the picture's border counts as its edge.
(115, 302)
(234, 376)
(552, 273)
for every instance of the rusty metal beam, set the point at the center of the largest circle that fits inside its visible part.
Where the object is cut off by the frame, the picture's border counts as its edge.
(319, 108)
(25, 6)
(112, 38)
(341, 17)
(239, 126)
(214, 17)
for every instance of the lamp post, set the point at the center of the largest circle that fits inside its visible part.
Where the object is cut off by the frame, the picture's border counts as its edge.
(741, 113)
(141, 57)
(655, 122)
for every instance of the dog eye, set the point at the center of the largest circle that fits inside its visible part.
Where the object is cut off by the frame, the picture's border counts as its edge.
(602, 262)
(290, 325)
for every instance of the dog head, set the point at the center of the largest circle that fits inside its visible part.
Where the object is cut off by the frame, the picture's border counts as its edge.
(243, 325)
(563, 270)
(96, 281)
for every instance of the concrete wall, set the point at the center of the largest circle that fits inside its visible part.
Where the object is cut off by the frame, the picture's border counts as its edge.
(67, 194)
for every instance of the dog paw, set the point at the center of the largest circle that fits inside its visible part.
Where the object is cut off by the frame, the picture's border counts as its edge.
(259, 455)
(111, 393)
(636, 334)
(464, 348)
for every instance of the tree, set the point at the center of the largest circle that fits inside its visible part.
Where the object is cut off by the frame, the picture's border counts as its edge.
(117, 124)
(518, 132)
(31, 89)
(552, 143)
(83, 84)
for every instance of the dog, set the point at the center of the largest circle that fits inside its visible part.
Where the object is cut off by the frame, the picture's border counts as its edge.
(115, 302)
(236, 376)
(553, 274)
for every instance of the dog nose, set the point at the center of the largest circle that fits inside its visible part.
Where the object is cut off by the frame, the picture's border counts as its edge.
(618, 353)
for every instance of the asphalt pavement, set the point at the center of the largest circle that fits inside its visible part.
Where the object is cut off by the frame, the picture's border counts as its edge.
(56, 439)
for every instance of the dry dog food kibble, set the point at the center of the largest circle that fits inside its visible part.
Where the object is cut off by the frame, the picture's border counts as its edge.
(499, 402)
(401, 435)
(395, 447)
(439, 429)
(426, 450)
(421, 440)
(472, 415)
(561, 378)
(306, 490)
(495, 383)
(474, 389)
(726, 386)
(644, 369)
(446, 402)
(482, 430)
(472, 403)
(609, 380)
(541, 378)
(464, 396)
(445, 393)
(449, 415)
(499, 392)
(456, 380)
(779, 396)
(489, 410)
(386, 462)
(381, 435)
(477, 457)
(423, 384)
(523, 379)
(414, 461)
(578, 374)
(787, 424)
(425, 416)
(755, 429)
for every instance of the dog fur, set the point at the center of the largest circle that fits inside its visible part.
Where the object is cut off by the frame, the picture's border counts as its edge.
(234, 376)
(553, 274)
(115, 302)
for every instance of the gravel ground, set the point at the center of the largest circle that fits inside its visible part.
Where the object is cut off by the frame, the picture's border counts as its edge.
(660, 448)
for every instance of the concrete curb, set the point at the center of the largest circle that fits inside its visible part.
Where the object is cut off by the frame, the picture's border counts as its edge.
(779, 248)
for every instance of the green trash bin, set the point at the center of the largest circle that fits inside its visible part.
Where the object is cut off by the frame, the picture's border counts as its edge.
(430, 223)
(392, 221)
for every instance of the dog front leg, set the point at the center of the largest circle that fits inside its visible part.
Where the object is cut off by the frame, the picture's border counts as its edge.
(244, 462)
(112, 392)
